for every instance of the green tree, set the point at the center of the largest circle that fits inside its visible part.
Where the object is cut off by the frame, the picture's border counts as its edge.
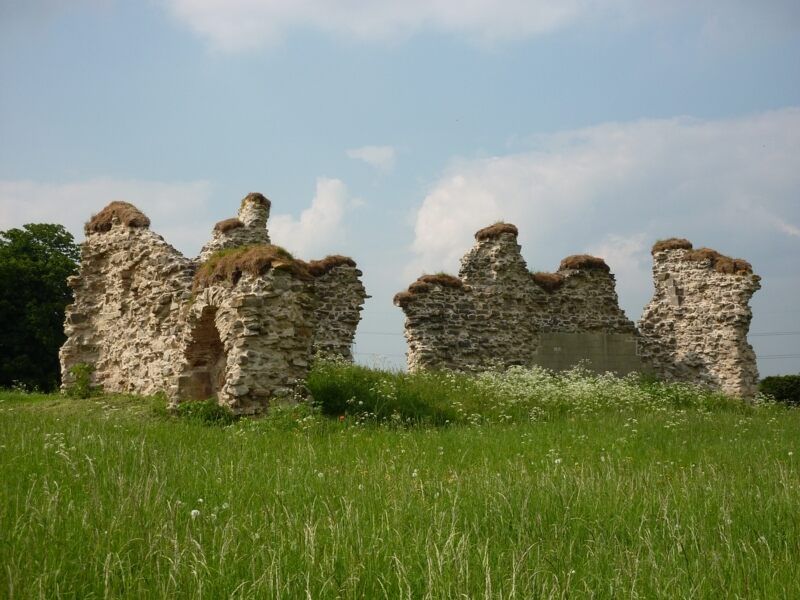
(35, 262)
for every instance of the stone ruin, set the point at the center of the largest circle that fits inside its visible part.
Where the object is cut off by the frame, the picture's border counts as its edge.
(241, 322)
(497, 314)
(695, 327)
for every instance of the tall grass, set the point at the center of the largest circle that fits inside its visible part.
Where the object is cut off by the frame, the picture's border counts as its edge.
(537, 487)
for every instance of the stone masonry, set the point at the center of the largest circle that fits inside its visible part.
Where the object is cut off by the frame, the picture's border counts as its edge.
(241, 325)
(695, 327)
(496, 314)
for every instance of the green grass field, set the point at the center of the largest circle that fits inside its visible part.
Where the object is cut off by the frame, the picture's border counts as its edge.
(507, 486)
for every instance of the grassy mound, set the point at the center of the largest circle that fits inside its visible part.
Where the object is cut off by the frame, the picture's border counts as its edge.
(518, 395)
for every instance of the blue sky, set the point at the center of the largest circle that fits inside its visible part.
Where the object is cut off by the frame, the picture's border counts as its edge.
(392, 131)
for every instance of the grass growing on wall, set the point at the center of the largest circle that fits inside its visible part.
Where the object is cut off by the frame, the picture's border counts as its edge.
(536, 487)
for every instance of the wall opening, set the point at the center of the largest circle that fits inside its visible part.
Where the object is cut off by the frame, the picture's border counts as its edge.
(206, 360)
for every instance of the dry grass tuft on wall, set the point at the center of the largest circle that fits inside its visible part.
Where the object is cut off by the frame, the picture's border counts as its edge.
(228, 225)
(425, 284)
(585, 262)
(549, 282)
(257, 198)
(227, 266)
(442, 279)
(719, 262)
(325, 265)
(403, 298)
(496, 230)
(671, 244)
(126, 213)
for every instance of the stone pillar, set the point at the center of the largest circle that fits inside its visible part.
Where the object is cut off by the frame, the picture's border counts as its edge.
(254, 212)
(695, 327)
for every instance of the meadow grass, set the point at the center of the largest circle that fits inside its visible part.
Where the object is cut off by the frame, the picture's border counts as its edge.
(516, 485)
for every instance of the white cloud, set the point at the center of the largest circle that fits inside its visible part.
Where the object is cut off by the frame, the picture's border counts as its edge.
(182, 212)
(244, 24)
(380, 157)
(178, 210)
(320, 229)
(233, 25)
(615, 188)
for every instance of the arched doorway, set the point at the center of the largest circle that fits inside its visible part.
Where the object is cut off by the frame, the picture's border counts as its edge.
(205, 358)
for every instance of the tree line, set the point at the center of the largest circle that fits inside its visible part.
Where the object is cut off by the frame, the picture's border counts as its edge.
(35, 262)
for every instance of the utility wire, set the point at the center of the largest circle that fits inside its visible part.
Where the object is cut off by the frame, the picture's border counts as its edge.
(773, 333)
(757, 334)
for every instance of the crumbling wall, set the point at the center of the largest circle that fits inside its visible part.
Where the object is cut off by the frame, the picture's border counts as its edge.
(340, 300)
(248, 229)
(126, 319)
(265, 325)
(497, 314)
(241, 324)
(695, 327)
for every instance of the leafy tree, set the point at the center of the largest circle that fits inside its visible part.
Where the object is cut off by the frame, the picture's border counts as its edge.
(784, 388)
(35, 262)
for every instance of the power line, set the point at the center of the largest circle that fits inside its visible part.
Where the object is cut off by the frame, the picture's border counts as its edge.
(772, 333)
(757, 334)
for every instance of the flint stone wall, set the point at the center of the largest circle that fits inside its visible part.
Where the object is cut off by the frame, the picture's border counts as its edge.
(340, 296)
(137, 319)
(695, 327)
(496, 314)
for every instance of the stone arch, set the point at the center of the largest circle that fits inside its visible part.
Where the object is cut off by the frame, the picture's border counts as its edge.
(205, 368)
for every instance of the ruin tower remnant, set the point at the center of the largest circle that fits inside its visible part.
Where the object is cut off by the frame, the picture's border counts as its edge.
(241, 323)
(497, 314)
(695, 327)
(248, 228)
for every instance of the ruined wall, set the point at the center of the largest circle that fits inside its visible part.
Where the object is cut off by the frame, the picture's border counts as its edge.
(240, 325)
(126, 318)
(695, 327)
(249, 228)
(496, 313)
(340, 300)
(248, 342)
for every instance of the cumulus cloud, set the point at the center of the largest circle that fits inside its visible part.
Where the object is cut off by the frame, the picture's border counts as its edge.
(245, 24)
(178, 210)
(380, 157)
(615, 188)
(320, 229)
